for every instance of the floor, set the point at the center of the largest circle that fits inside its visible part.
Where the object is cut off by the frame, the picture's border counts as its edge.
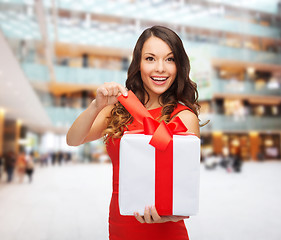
(70, 202)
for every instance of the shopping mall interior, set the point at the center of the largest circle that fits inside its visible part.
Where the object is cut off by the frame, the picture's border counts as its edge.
(55, 54)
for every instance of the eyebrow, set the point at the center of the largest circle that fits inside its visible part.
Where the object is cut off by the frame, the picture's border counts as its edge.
(154, 54)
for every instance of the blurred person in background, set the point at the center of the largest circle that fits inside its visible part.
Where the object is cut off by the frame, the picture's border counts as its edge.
(226, 160)
(30, 166)
(159, 77)
(67, 157)
(53, 158)
(212, 161)
(43, 159)
(23, 50)
(237, 161)
(21, 166)
(1, 164)
(10, 162)
(60, 157)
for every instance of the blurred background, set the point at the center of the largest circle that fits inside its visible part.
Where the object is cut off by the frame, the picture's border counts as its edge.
(54, 54)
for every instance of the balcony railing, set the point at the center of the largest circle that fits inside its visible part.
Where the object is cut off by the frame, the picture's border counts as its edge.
(220, 122)
(183, 16)
(244, 87)
(63, 116)
(244, 55)
(263, 6)
(36, 72)
(89, 75)
(39, 73)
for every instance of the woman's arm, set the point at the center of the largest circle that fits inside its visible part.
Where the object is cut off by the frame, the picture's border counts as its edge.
(93, 121)
(93, 118)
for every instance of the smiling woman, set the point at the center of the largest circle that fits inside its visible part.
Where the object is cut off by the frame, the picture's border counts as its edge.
(159, 52)
(159, 76)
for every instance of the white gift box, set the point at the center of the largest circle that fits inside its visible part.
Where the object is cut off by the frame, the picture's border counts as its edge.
(137, 174)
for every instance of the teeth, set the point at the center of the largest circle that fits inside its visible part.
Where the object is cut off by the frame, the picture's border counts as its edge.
(159, 79)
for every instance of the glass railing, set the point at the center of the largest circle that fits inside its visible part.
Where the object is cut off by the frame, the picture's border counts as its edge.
(247, 123)
(244, 87)
(89, 75)
(39, 73)
(245, 55)
(166, 13)
(63, 116)
(263, 6)
(36, 72)
(22, 26)
(260, 5)
(16, 29)
(19, 25)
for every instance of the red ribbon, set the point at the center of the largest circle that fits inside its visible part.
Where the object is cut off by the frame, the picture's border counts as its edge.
(162, 133)
(162, 140)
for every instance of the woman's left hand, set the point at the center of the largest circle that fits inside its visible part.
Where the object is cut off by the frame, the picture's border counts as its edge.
(151, 216)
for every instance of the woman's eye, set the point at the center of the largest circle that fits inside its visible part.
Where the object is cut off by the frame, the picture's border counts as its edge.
(149, 59)
(170, 59)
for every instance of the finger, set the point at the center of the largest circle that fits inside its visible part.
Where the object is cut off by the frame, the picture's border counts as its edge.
(138, 217)
(176, 218)
(155, 215)
(115, 91)
(110, 91)
(112, 88)
(182, 217)
(147, 216)
(123, 90)
(103, 91)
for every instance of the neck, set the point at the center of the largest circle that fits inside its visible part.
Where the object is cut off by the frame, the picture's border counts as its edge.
(154, 102)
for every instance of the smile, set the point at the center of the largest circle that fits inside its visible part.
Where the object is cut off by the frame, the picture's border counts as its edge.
(159, 79)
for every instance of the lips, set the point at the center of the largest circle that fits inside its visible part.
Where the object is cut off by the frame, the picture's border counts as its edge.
(158, 80)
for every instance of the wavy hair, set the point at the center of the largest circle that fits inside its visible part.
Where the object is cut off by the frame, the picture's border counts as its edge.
(182, 90)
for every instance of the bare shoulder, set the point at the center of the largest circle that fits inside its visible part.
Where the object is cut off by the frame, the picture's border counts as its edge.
(187, 114)
(191, 121)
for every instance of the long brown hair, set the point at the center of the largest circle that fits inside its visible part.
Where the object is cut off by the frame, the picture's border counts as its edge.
(182, 90)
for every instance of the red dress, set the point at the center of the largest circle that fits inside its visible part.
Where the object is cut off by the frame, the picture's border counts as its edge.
(127, 227)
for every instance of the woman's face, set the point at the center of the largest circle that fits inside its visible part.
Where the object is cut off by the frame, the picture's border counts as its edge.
(157, 66)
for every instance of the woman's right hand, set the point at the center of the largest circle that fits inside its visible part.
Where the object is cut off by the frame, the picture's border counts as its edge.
(108, 93)
(91, 123)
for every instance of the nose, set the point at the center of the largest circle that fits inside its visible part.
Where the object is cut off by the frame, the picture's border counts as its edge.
(159, 66)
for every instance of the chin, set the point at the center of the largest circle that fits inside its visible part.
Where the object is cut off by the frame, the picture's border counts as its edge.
(159, 91)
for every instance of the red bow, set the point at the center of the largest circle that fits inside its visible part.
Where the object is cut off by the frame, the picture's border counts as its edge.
(162, 133)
